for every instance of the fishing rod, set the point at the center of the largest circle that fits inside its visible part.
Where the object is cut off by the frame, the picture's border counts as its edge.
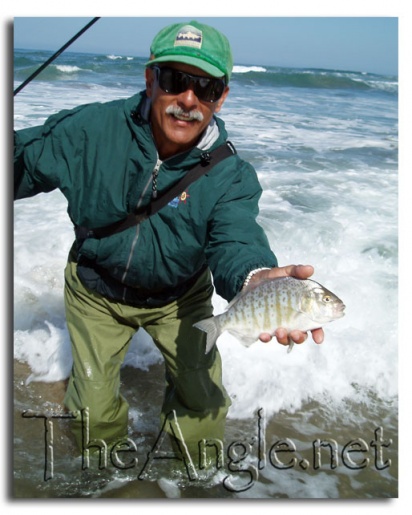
(54, 56)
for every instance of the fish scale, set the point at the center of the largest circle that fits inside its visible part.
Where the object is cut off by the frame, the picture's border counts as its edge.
(294, 304)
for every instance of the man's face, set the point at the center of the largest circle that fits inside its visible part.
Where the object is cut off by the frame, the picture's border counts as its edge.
(175, 117)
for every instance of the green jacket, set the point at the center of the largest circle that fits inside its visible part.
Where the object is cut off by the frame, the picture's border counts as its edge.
(102, 158)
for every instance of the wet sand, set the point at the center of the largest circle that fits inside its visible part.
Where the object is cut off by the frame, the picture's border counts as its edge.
(290, 456)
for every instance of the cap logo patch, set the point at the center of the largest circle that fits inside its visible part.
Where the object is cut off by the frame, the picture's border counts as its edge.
(189, 36)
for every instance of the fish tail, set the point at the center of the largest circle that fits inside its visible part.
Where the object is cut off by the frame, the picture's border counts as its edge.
(209, 326)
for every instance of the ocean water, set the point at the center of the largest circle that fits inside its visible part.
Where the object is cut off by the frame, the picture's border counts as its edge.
(320, 422)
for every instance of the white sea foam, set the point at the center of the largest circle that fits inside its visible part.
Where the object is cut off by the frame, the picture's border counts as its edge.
(246, 69)
(65, 68)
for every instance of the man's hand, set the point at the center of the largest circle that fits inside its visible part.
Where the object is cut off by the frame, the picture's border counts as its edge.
(300, 272)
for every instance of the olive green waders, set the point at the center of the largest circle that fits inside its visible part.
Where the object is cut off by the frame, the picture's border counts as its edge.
(101, 330)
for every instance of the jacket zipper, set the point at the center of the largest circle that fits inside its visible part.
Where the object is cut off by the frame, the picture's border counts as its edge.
(155, 173)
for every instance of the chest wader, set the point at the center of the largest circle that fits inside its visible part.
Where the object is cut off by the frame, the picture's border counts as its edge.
(101, 330)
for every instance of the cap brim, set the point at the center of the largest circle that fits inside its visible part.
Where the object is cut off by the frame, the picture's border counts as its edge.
(186, 59)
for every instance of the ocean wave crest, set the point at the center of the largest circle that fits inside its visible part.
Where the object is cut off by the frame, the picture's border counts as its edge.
(66, 68)
(246, 69)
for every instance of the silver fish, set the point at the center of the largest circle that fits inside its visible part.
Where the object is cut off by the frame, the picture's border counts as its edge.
(294, 304)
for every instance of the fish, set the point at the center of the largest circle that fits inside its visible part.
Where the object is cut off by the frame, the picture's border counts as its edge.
(288, 302)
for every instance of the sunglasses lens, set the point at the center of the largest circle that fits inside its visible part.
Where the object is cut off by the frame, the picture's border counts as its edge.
(175, 82)
(209, 89)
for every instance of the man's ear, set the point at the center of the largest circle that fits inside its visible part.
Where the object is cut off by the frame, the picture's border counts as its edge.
(149, 76)
(219, 103)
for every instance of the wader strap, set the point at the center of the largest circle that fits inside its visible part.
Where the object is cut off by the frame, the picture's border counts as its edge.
(208, 161)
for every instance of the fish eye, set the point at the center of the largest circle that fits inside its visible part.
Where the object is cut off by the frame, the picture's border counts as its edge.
(327, 298)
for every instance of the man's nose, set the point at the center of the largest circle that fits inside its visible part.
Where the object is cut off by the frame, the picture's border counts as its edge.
(188, 98)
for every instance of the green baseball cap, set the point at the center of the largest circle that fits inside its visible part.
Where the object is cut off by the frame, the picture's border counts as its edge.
(196, 44)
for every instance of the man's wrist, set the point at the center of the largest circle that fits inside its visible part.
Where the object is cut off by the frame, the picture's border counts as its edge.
(252, 275)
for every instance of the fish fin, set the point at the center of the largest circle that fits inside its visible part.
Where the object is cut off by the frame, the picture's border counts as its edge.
(291, 344)
(246, 341)
(234, 300)
(242, 293)
(210, 326)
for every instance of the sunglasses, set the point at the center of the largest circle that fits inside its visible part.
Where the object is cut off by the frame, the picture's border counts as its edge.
(207, 89)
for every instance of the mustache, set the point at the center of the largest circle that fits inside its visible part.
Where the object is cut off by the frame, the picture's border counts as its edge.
(187, 115)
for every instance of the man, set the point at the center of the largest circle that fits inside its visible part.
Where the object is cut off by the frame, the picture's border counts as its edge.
(109, 159)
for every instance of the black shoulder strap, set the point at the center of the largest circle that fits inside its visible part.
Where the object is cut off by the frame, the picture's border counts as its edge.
(208, 161)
